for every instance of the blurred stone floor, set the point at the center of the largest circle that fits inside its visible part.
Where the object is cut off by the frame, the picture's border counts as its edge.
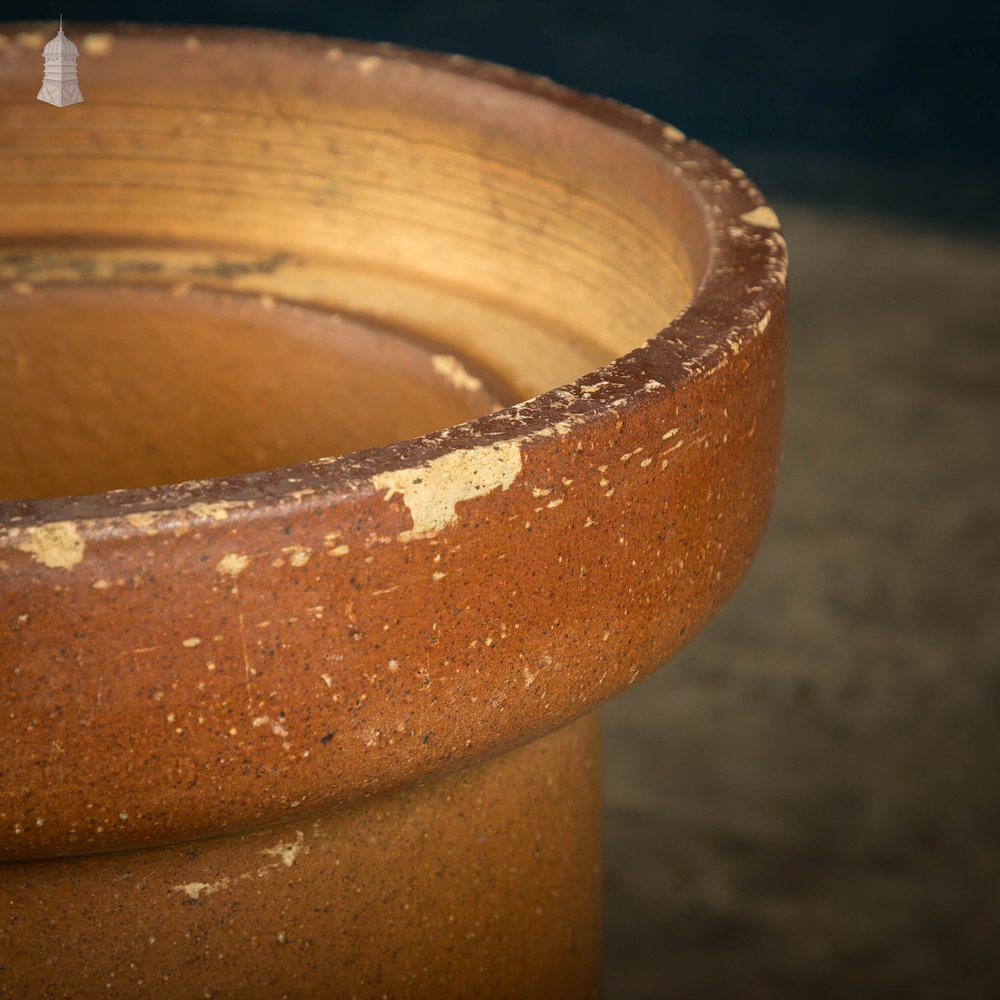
(805, 802)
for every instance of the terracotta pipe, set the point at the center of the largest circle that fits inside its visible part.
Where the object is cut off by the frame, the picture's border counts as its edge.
(371, 417)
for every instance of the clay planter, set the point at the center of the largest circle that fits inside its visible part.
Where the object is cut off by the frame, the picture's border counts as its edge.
(277, 723)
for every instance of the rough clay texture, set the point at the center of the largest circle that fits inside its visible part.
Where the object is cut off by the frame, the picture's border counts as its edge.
(305, 646)
(291, 910)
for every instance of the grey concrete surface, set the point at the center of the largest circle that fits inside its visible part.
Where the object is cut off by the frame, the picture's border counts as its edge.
(805, 802)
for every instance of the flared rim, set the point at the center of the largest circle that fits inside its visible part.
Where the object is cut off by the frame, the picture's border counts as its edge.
(740, 287)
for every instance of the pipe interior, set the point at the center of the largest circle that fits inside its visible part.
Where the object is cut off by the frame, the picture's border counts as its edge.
(240, 254)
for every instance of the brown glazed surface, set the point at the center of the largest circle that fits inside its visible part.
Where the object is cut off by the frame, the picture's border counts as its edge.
(393, 897)
(245, 257)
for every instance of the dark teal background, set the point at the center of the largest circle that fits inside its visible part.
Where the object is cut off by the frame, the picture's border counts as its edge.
(881, 104)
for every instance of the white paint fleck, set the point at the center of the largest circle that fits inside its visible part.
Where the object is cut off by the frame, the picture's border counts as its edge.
(214, 511)
(455, 373)
(369, 64)
(276, 727)
(673, 134)
(195, 890)
(341, 550)
(101, 584)
(438, 575)
(300, 554)
(192, 642)
(232, 564)
(286, 852)
(762, 215)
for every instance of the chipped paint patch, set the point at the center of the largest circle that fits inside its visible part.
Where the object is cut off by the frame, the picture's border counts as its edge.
(455, 373)
(192, 642)
(97, 43)
(287, 854)
(341, 550)
(57, 545)
(232, 564)
(195, 890)
(432, 491)
(673, 134)
(763, 216)
(276, 727)
(369, 64)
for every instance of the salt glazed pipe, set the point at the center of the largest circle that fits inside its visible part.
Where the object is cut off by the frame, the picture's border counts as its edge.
(371, 418)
